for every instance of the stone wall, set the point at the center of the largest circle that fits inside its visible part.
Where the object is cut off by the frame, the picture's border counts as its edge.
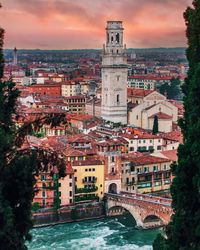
(69, 214)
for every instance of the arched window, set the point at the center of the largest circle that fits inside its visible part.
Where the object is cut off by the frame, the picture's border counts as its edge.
(117, 98)
(108, 38)
(117, 37)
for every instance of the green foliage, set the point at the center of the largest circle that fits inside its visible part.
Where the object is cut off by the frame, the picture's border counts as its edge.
(160, 243)
(18, 167)
(172, 89)
(86, 198)
(183, 233)
(155, 125)
(35, 206)
(86, 190)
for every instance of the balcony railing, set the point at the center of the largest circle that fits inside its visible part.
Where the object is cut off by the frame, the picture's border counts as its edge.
(89, 181)
(86, 190)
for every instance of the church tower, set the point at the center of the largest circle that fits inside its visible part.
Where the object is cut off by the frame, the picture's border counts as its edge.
(114, 75)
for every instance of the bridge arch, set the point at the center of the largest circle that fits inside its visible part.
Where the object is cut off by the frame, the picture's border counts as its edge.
(112, 211)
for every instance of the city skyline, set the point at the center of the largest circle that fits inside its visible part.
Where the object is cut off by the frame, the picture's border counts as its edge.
(57, 24)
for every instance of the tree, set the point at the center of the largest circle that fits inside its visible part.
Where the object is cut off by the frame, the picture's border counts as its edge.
(172, 89)
(18, 167)
(184, 230)
(155, 125)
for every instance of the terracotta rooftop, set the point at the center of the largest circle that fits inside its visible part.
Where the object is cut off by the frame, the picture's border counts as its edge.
(138, 92)
(162, 116)
(147, 160)
(170, 154)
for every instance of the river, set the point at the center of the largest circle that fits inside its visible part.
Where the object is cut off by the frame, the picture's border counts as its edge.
(102, 234)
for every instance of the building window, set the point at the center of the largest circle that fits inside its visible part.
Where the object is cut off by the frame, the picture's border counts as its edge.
(101, 185)
(113, 159)
(43, 194)
(117, 98)
(43, 185)
(43, 177)
(86, 170)
(155, 168)
(75, 178)
(70, 193)
(158, 147)
(70, 201)
(93, 169)
(70, 184)
(43, 202)
(131, 148)
(136, 117)
(70, 176)
(90, 169)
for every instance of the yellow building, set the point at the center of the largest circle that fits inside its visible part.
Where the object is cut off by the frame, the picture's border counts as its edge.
(146, 174)
(89, 179)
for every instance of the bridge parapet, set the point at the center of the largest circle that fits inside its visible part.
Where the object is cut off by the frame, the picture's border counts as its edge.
(141, 207)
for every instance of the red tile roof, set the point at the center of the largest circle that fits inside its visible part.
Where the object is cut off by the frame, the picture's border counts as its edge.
(147, 160)
(170, 154)
(138, 92)
(162, 116)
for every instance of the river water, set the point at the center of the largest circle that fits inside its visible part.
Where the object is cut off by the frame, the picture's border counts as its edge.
(102, 234)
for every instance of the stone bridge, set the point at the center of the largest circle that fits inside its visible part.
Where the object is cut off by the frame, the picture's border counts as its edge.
(148, 211)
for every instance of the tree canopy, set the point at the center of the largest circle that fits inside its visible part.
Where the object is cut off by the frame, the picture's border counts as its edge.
(155, 125)
(184, 230)
(171, 89)
(19, 166)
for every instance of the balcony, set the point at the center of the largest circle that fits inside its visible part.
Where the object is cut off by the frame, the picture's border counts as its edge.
(86, 181)
(86, 190)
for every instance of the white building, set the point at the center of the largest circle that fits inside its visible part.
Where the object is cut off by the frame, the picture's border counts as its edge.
(114, 75)
(147, 105)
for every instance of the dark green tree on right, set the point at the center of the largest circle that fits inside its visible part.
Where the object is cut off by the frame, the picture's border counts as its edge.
(183, 233)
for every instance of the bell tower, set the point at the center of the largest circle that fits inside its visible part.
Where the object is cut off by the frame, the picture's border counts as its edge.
(114, 75)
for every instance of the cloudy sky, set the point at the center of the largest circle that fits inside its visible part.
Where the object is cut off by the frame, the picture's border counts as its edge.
(67, 24)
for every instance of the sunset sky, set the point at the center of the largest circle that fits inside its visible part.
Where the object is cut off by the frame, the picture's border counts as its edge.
(67, 24)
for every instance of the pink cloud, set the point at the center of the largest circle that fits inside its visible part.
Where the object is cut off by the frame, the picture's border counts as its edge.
(63, 24)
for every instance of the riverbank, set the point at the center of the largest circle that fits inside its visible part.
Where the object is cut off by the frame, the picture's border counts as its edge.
(68, 214)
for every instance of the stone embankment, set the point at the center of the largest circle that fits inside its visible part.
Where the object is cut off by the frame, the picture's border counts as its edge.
(76, 212)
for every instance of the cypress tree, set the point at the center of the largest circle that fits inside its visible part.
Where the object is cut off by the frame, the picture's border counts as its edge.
(184, 230)
(155, 125)
(18, 167)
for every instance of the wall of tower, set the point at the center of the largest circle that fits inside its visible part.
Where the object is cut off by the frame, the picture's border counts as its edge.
(114, 75)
